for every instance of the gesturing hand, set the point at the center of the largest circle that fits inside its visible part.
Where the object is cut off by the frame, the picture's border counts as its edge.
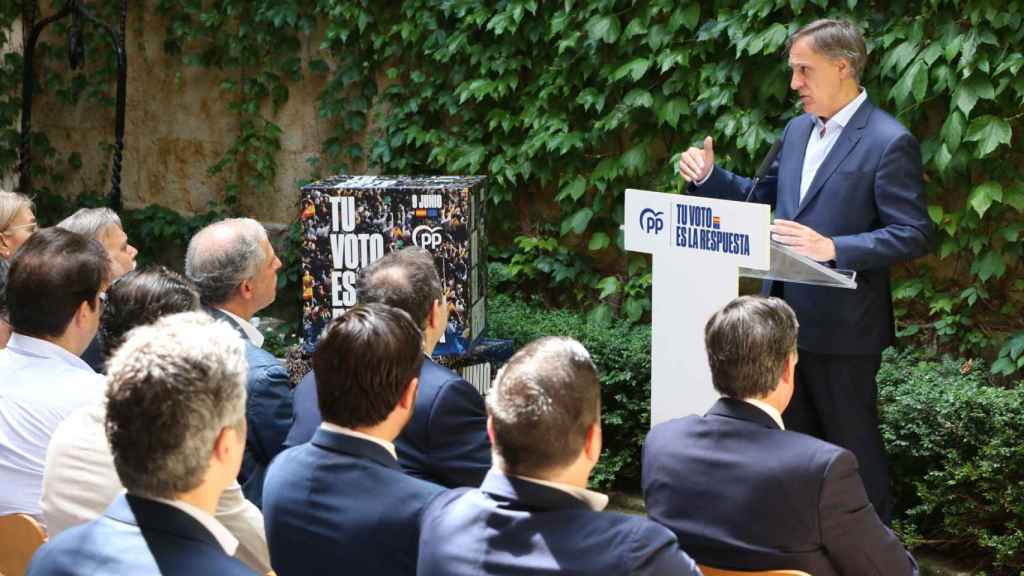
(803, 240)
(695, 164)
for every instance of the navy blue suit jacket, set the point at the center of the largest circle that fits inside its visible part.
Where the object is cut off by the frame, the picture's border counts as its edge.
(740, 493)
(868, 197)
(136, 536)
(514, 526)
(446, 440)
(268, 413)
(342, 504)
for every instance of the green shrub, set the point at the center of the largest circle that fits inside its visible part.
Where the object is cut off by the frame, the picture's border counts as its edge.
(957, 454)
(622, 354)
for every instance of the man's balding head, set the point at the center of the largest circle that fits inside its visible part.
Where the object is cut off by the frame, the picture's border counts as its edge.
(233, 259)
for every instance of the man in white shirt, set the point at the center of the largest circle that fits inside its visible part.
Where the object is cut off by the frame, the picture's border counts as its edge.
(235, 269)
(55, 294)
(847, 191)
(175, 421)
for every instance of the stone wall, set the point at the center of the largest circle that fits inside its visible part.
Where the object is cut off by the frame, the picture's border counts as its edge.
(178, 124)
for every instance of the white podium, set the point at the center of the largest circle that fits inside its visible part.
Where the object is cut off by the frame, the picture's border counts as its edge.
(699, 249)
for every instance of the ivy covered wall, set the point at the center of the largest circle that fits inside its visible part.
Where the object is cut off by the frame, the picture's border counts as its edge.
(567, 103)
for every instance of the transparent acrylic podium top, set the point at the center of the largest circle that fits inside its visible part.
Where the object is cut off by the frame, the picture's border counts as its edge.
(788, 266)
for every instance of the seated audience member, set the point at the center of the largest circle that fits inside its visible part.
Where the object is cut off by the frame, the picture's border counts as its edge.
(80, 480)
(341, 502)
(17, 223)
(533, 513)
(175, 422)
(234, 266)
(104, 226)
(742, 493)
(446, 441)
(5, 323)
(55, 298)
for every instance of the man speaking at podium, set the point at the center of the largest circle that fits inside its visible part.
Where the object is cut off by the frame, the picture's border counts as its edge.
(846, 186)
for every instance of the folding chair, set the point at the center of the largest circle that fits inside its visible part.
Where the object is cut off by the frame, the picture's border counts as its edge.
(20, 536)
(709, 571)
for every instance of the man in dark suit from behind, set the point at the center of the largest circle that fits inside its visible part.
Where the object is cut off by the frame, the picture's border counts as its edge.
(175, 421)
(235, 269)
(533, 513)
(743, 493)
(446, 441)
(341, 501)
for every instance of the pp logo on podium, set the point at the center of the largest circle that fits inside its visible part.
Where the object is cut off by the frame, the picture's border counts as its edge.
(651, 222)
(427, 237)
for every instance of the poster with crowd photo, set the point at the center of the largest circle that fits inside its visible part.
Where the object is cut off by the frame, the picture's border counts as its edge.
(350, 221)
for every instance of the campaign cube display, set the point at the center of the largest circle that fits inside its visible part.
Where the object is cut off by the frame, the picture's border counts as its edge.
(350, 221)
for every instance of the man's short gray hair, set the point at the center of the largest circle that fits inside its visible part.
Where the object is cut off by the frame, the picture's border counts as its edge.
(90, 222)
(835, 39)
(748, 343)
(173, 386)
(223, 255)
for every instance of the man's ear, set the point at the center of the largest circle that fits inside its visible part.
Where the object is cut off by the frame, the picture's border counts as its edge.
(592, 444)
(244, 289)
(436, 315)
(408, 399)
(226, 444)
(490, 429)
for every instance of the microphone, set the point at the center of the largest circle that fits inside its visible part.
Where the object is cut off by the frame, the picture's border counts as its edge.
(766, 164)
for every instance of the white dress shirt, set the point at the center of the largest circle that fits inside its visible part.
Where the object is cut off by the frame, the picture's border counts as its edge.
(80, 482)
(823, 138)
(389, 446)
(40, 385)
(254, 335)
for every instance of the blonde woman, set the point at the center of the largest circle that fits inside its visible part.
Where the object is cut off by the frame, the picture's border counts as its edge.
(17, 222)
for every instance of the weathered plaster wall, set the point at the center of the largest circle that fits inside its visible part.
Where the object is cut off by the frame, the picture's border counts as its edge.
(178, 124)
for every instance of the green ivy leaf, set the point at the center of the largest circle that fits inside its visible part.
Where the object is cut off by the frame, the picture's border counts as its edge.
(669, 111)
(608, 286)
(578, 221)
(970, 91)
(598, 241)
(935, 213)
(948, 247)
(635, 69)
(914, 81)
(984, 195)
(1015, 197)
(942, 158)
(991, 265)
(688, 16)
(953, 130)
(638, 98)
(634, 308)
(635, 159)
(989, 132)
(604, 28)
(573, 190)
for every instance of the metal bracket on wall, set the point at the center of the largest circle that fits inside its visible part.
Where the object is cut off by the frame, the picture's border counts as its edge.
(76, 55)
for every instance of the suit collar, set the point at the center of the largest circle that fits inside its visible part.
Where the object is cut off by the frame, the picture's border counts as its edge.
(150, 515)
(848, 138)
(740, 410)
(529, 494)
(352, 446)
(244, 328)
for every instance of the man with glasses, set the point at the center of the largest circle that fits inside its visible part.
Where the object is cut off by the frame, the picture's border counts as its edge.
(55, 295)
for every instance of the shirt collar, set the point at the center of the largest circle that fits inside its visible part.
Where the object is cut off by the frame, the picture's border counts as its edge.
(768, 409)
(595, 500)
(39, 348)
(254, 335)
(224, 537)
(842, 117)
(390, 447)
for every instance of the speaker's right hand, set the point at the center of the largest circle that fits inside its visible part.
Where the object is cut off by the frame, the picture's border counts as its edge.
(695, 164)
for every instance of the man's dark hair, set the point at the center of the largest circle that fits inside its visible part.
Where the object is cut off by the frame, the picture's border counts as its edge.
(51, 274)
(364, 362)
(543, 402)
(141, 297)
(406, 279)
(748, 342)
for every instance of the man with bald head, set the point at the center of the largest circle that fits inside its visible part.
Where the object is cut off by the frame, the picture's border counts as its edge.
(235, 268)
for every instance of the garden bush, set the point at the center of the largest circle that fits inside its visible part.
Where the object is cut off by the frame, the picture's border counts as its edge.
(957, 455)
(622, 353)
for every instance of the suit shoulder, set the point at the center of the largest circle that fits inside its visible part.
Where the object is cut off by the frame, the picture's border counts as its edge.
(672, 427)
(885, 125)
(258, 357)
